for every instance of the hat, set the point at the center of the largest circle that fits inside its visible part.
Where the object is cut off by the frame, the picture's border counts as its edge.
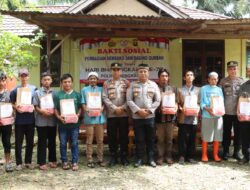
(116, 66)
(23, 71)
(143, 66)
(213, 74)
(93, 74)
(232, 64)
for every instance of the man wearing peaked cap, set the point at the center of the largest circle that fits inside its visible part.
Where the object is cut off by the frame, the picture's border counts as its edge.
(230, 86)
(114, 97)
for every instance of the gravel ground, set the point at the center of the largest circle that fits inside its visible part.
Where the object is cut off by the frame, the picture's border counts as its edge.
(214, 176)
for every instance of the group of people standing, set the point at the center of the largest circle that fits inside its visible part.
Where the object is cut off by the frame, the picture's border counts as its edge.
(144, 101)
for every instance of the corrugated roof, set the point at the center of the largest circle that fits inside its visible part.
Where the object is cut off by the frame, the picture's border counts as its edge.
(17, 26)
(200, 14)
(48, 8)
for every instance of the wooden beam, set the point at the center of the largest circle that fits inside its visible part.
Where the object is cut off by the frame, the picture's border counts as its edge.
(199, 28)
(59, 44)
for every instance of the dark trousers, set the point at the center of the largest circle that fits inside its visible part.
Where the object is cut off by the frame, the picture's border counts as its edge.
(46, 138)
(245, 139)
(117, 129)
(20, 132)
(5, 131)
(230, 121)
(144, 135)
(186, 140)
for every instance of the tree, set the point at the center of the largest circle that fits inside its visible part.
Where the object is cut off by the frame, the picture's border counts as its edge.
(56, 2)
(16, 52)
(232, 8)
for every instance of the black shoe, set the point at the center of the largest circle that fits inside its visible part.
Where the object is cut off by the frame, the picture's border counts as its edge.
(124, 161)
(152, 163)
(237, 156)
(192, 161)
(225, 156)
(181, 160)
(138, 163)
(243, 161)
(113, 161)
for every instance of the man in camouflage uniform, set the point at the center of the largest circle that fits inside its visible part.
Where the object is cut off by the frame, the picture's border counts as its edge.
(143, 98)
(230, 86)
(114, 97)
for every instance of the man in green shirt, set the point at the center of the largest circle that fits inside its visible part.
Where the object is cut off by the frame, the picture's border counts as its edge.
(68, 130)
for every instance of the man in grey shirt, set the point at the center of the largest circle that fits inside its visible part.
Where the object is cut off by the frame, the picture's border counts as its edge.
(45, 123)
(143, 98)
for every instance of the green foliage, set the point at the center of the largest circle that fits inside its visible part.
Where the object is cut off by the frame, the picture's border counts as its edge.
(232, 8)
(16, 53)
(56, 2)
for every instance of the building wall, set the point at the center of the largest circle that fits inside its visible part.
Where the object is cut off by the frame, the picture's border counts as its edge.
(235, 50)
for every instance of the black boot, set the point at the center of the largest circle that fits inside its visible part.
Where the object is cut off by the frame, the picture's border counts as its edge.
(225, 154)
(124, 160)
(237, 155)
(151, 161)
(113, 160)
(138, 163)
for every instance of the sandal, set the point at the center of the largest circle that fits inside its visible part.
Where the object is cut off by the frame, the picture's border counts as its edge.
(74, 167)
(65, 166)
(43, 167)
(91, 164)
(9, 167)
(101, 163)
(53, 165)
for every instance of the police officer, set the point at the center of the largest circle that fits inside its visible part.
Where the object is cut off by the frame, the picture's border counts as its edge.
(114, 97)
(230, 86)
(143, 98)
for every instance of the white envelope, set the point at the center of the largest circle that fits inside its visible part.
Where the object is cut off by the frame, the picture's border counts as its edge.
(168, 100)
(24, 96)
(67, 107)
(190, 101)
(94, 100)
(245, 108)
(6, 110)
(46, 102)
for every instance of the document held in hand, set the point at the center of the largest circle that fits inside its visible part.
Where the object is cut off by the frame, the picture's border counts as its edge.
(46, 102)
(168, 103)
(24, 99)
(6, 114)
(94, 104)
(191, 105)
(217, 105)
(244, 111)
(67, 108)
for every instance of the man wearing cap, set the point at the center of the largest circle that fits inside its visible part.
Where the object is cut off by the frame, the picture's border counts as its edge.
(230, 86)
(143, 98)
(94, 121)
(114, 97)
(24, 123)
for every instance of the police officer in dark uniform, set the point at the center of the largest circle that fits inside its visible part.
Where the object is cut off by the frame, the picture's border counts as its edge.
(230, 86)
(114, 97)
(143, 98)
